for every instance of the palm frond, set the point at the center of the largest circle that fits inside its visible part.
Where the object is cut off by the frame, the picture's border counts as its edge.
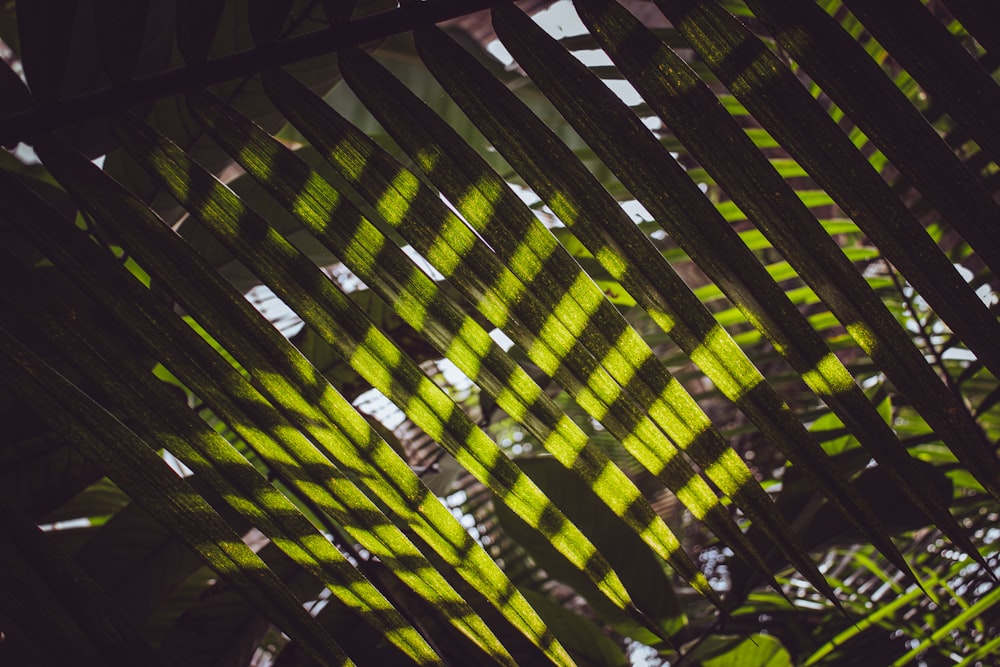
(687, 320)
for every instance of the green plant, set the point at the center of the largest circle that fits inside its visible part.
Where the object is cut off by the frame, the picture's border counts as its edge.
(755, 423)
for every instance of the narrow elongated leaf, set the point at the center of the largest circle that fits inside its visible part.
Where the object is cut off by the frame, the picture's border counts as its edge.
(591, 129)
(231, 35)
(433, 143)
(627, 255)
(215, 205)
(286, 449)
(951, 77)
(178, 429)
(669, 209)
(362, 453)
(642, 574)
(42, 581)
(470, 347)
(368, 352)
(759, 80)
(821, 527)
(182, 333)
(712, 136)
(145, 476)
(884, 612)
(982, 19)
(445, 248)
(878, 107)
(982, 606)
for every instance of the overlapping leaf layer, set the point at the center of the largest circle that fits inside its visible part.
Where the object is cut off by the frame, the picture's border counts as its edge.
(678, 328)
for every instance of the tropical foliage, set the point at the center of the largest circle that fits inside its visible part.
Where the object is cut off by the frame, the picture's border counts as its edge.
(333, 335)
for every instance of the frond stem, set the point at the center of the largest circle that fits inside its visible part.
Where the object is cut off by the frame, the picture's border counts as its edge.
(23, 125)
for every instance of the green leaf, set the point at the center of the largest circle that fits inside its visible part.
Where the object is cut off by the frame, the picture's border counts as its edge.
(286, 450)
(820, 526)
(952, 77)
(756, 76)
(274, 514)
(799, 203)
(171, 117)
(881, 110)
(483, 198)
(643, 575)
(219, 208)
(469, 445)
(730, 651)
(50, 591)
(135, 467)
(583, 639)
(702, 129)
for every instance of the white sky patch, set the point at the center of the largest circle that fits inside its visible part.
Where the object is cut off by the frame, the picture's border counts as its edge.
(177, 465)
(636, 211)
(559, 20)
(456, 499)
(502, 339)
(453, 375)
(527, 195)
(424, 265)
(69, 524)
(653, 122)
(498, 51)
(275, 310)
(621, 87)
(373, 402)
(593, 57)
(988, 296)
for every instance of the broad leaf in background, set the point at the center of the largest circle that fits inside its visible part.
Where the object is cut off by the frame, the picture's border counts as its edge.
(643, 575)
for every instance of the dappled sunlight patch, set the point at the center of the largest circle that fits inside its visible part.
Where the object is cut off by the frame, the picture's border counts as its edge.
(830, 375)
(306, 204)
(735, 375)
(564, 326)
(613, 262)
(351, 158)
(730, 473)
(661, 430)
(395, 202)
(477, 205)
(364, 247)
(864, 336)
(618, 366)
(450, 246)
